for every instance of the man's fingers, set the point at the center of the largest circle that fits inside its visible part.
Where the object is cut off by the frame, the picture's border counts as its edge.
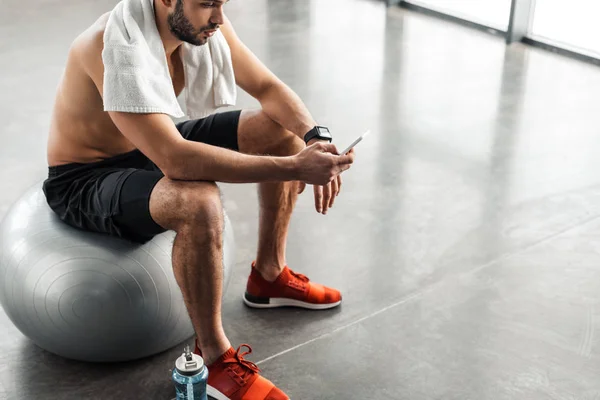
(326, 197)
(342, 168)
(301, 187)
(346, 159)
(334, 191)
(318, 198)
(330, 148)
(339, 184)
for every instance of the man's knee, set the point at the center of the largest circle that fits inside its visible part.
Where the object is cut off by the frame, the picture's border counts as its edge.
(202, 204)
(188, 205)
(290, 144)
(260, 134)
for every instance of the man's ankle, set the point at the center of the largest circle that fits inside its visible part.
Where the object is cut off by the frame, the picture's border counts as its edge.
(213, 350)
(269, 270)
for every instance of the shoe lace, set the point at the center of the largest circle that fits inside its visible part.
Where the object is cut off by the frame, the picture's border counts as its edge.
(298, 276)
(241, 367)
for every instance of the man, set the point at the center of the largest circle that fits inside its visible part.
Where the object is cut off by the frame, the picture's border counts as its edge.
(136, 175)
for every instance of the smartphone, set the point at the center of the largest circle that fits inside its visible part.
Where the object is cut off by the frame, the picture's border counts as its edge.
(357, 141)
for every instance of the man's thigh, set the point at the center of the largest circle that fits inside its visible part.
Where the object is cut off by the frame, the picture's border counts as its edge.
(133, 218)
(112, 200)
(219, 129)
(247, 131)
(259, 134)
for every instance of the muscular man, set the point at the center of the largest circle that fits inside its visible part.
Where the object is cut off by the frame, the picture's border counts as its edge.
(136, 175)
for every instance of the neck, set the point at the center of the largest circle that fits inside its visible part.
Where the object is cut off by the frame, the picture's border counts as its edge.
(170, 42)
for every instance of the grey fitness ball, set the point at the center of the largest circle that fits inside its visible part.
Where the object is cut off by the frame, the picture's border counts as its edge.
(89, 296)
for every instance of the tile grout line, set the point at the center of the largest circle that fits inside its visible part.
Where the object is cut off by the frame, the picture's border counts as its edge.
(534, 244)
(430, 288)
(404, 300)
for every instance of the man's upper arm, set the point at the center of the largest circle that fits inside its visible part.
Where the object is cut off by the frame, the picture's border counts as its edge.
(155, 135)
(250, 73)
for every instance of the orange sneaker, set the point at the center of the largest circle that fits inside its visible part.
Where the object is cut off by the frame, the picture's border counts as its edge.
(231, 377)
(289, 289)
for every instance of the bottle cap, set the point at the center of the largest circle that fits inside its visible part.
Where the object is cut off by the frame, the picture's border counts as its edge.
(189, 363)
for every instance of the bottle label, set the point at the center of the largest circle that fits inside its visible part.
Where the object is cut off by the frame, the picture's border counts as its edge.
(190, 390)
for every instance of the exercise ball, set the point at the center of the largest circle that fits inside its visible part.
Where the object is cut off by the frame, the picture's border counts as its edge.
(89, 296)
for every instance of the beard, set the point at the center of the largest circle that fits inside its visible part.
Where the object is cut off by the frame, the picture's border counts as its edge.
(182, 28)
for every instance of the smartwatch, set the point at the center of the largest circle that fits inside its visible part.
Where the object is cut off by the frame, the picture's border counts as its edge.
(318, 132)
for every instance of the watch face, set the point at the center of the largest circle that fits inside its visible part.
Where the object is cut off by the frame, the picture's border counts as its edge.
(324, 132)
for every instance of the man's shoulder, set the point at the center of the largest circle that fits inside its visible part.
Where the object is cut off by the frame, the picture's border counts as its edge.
(88, 46)
(93, 37)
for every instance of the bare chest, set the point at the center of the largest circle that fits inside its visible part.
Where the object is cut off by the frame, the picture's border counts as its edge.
(177, 73)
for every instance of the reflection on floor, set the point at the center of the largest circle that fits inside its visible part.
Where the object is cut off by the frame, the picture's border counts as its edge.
(465, 239)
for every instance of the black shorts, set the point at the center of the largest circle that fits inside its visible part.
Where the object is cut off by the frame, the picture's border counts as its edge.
(112, 196)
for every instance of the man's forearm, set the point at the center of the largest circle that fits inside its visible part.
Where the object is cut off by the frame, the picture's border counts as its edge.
(286, 108)
(198, 161)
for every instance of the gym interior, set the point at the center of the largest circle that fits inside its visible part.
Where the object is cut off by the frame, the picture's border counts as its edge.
(466, 236)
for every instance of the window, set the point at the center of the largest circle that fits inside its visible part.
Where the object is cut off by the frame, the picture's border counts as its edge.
(492, 13)
(572, 25)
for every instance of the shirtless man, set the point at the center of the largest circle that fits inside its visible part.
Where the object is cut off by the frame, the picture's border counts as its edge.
(136, 175)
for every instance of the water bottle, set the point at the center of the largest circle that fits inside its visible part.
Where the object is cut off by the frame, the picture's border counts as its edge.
(190, 376)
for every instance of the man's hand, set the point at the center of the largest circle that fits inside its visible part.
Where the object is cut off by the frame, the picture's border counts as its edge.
(325, 194)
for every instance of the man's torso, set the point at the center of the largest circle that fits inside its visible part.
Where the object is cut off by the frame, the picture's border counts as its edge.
(81, 131)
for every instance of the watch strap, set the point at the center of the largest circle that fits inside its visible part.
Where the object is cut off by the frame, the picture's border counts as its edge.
(319, 132)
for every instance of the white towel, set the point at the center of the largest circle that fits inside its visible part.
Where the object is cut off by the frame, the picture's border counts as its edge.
(136, 73)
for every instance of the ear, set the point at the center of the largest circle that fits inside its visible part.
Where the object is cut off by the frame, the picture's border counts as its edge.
(168, 3)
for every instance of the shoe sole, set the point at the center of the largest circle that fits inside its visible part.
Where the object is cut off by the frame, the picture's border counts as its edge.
(275, 302)
(214, 394)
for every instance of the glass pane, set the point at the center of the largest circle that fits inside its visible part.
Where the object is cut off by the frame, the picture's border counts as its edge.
(574, 24)
(493, 13)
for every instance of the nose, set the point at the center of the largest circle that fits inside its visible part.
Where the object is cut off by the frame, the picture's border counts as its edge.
(218, 18)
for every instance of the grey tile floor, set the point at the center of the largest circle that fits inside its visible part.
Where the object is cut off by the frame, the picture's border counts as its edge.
(466, 239)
